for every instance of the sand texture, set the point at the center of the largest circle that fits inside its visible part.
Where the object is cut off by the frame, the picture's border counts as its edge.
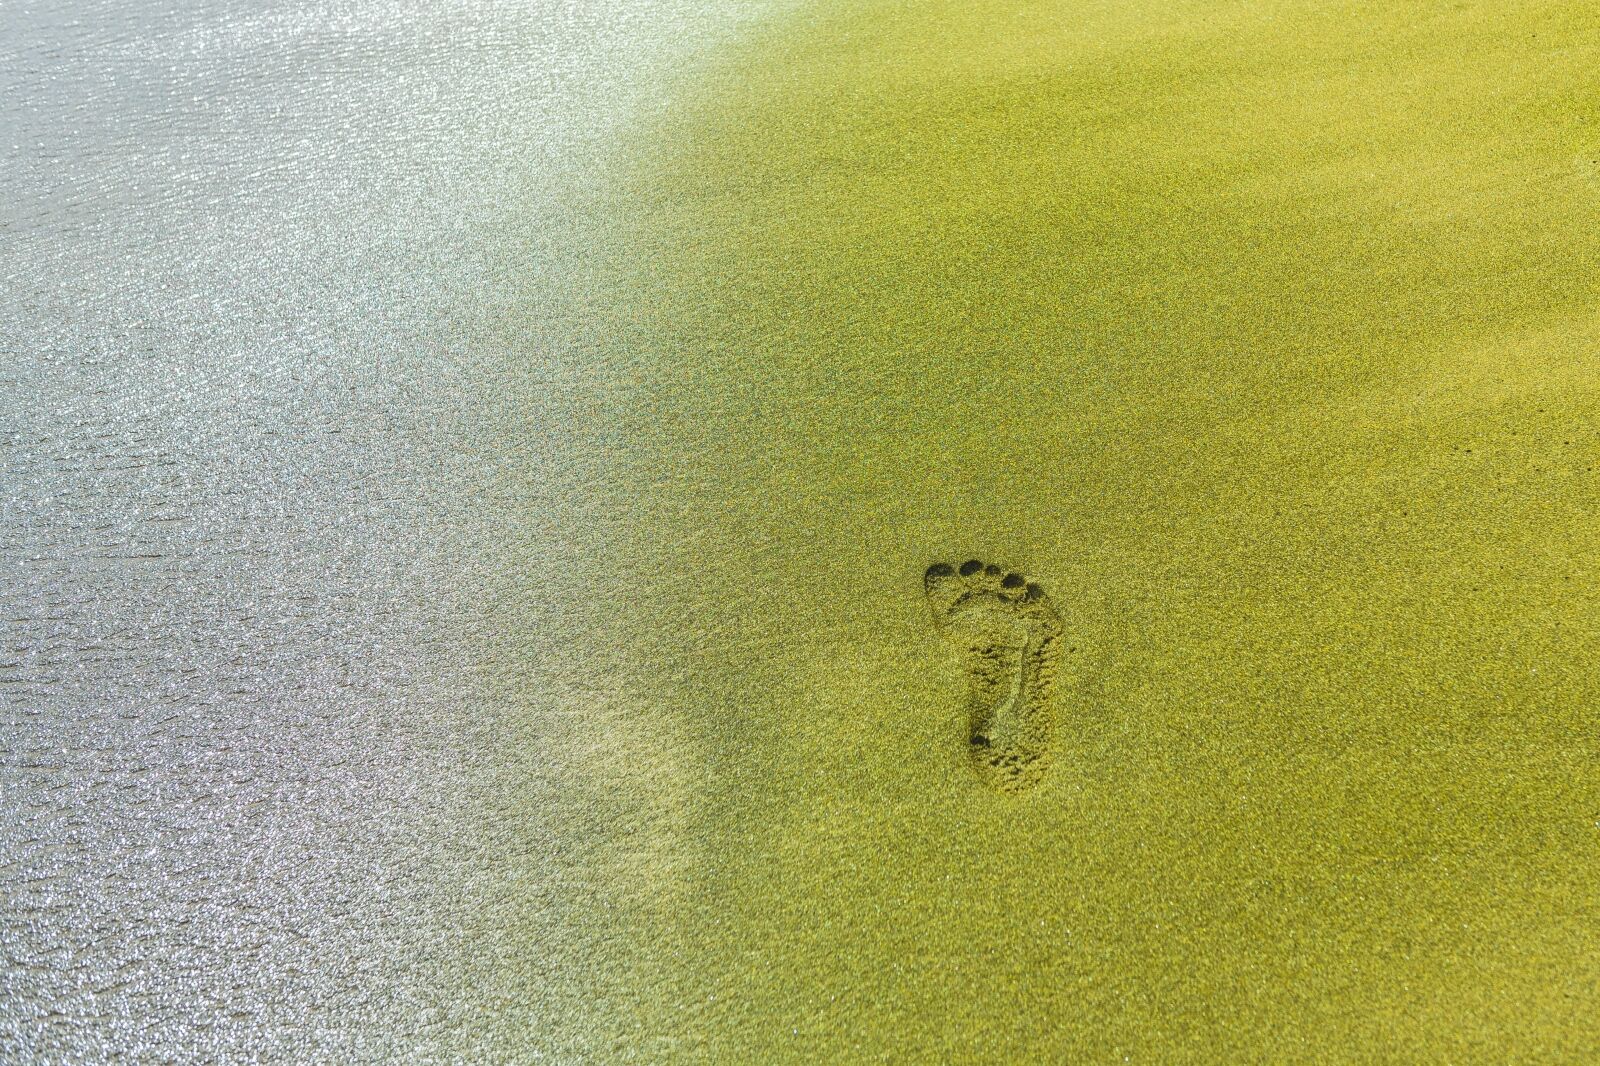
(676, 531)
(1263, 337)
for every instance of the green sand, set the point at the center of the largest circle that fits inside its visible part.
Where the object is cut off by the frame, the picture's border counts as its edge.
(1265, 337)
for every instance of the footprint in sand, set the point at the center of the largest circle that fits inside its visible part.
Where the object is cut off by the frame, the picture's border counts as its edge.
(1011, 639)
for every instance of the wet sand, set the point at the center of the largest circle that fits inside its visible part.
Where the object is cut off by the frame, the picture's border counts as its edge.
(1263, 337)
(472, 477)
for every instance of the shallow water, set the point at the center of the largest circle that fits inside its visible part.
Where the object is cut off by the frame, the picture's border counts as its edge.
(261, 487)
(465, 534)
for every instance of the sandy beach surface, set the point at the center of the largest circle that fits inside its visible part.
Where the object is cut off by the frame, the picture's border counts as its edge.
(1263, 337)
(515, 642)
